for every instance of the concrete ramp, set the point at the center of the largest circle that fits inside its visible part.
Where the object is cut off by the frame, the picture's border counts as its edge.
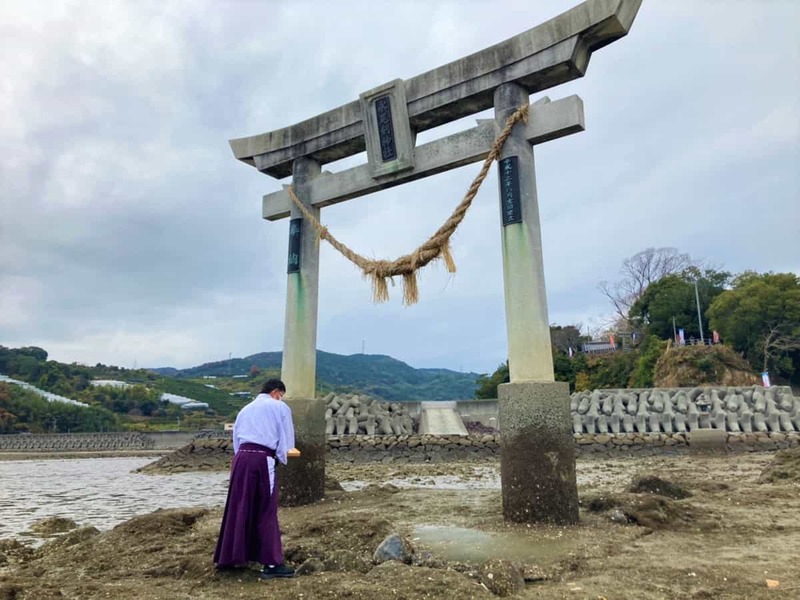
(440, 418)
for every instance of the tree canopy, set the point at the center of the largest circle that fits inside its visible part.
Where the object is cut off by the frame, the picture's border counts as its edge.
(673, 296)
(760, 317)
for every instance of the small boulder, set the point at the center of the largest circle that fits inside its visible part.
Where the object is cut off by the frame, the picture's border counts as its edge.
(53, 525)
(312, 565)
(394, 547)
(617, 516)
(501, 577)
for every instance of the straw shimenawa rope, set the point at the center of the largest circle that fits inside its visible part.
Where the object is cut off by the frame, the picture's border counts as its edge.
(437, 246)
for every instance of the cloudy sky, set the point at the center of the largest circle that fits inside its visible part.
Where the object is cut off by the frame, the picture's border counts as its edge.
(130, 235)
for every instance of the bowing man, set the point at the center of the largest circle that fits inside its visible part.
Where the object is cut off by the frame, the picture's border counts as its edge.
(263, 433)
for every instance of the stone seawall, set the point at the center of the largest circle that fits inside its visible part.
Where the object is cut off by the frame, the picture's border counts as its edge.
(96, 442)
(55, 442)
(401, 448)
(414, 448)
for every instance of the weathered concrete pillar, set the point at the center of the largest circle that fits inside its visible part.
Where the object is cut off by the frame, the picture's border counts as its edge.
(527, 325)
(537, 453)
(303, 481)
(537, 465)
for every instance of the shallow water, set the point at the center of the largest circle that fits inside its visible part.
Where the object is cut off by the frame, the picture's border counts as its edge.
(96, 491)
(462, 544)
(103, 492)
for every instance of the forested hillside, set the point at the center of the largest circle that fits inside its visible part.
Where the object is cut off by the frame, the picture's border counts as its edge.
(374, 374)
(225, 386)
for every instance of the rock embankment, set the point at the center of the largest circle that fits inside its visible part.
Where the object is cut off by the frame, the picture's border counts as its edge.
(679, 410)
(352, 414)
(216, 454)
(198, 455)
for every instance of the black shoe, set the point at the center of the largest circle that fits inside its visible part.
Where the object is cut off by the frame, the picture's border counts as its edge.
(276, 571)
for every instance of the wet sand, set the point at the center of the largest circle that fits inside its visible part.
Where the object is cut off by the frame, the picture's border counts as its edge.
(724, 541)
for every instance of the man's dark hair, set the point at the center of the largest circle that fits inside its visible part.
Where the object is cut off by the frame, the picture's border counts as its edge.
(273, 384)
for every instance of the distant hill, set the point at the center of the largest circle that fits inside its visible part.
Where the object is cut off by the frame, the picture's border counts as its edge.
(374, 374)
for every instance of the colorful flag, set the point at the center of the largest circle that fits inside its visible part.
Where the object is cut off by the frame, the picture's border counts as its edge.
(681, 337)
(570, 351)
(765, 378)
(611, 340)
(715, 336)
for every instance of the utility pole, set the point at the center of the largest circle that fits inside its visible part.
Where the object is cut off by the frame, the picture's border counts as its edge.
(699, 318)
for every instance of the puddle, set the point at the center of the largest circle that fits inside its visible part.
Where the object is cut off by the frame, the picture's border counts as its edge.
(472, 545)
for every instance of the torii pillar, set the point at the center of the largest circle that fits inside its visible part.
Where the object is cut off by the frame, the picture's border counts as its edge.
(537, 459)
(304, 482)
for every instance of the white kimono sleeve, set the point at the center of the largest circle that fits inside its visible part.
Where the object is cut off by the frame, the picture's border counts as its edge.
(286, 434)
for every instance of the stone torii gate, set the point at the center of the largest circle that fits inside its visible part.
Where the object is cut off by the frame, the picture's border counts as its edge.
(537, 448)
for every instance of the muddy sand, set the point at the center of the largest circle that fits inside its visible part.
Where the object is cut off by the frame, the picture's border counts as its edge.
(651, 527)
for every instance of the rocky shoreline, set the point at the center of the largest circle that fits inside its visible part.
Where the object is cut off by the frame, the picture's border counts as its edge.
(215, 454)
(651, 527)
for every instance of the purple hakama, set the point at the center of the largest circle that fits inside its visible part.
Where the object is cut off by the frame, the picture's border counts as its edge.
(249, 530)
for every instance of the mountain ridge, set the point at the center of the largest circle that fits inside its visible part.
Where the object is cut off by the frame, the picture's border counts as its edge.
(375, 374)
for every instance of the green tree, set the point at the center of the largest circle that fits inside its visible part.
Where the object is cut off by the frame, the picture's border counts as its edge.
(487, 384)
(33, 413)
(582, 381)
(650, 351)
(760, 317)
(39, 354)
(611, 370)
(673, 296)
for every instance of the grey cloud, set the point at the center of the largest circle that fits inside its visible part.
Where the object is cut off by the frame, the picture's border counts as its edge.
(129, 232)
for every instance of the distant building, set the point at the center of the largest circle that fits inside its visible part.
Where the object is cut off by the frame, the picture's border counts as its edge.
(242, 394)
(175, 399)
(240, 377)
(227, 427)
(600, 347)
(194, 406)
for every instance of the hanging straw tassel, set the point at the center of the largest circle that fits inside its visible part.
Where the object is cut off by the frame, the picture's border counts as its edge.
(410, 288)
(380, 289)
(447, 256)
